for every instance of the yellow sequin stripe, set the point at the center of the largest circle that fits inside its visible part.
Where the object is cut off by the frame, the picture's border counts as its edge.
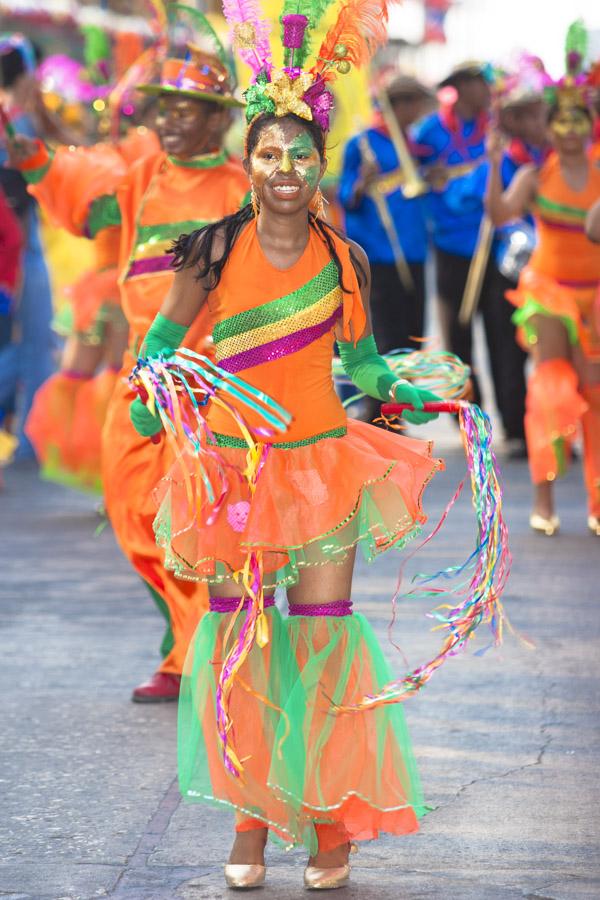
(152, 248)
(304, 318)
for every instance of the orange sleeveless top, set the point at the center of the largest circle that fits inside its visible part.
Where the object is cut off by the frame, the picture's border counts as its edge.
(274, 329)
(563, 251)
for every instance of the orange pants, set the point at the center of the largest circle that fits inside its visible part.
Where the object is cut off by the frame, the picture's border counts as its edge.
(591, 445)
(132, 466)
(554, 410)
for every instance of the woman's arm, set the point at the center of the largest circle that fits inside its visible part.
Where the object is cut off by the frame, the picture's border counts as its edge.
(592, 223)
(503, 205)
(367, 369)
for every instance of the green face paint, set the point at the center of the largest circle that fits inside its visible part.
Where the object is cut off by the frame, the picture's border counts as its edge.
(276, 152)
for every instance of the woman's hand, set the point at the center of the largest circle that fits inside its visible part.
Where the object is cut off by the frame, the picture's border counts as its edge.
(405, 392)
(146, 424)
(495, 146)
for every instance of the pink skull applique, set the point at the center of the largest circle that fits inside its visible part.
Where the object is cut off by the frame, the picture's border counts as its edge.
(237, 514)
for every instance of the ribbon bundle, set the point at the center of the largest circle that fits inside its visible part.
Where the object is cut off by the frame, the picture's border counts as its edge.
(436, 370)
(178, 387)
(483, 573)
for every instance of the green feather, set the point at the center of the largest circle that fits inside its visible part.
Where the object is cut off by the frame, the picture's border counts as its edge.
(203, 27)
(576, 41)
(96, 47)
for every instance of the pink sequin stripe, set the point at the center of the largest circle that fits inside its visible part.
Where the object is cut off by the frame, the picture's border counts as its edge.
(284, 346)
(150, 265)
(230, 604)
(337, 608)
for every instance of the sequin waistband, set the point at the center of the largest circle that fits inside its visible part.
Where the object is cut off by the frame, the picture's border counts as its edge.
(338, 608)
(229, 440)
(230, 604)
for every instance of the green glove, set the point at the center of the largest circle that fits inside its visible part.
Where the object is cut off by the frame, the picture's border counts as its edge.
(370, 372)
(164, 336)
(145, 423)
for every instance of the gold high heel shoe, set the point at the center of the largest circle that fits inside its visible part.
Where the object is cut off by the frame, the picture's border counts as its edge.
(545, 526)
(316, 879)
(594, 525)
(241, 877)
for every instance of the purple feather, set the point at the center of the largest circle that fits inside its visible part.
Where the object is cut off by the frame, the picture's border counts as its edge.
(249, 33)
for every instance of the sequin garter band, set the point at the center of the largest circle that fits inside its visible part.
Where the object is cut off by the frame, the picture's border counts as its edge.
(232, 604)
(338, 609)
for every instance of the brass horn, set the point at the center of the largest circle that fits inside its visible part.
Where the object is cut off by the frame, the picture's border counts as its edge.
(414, 185)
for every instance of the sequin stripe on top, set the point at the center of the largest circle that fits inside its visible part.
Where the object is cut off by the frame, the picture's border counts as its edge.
(282, 326)
(150, 253)
(561, 216)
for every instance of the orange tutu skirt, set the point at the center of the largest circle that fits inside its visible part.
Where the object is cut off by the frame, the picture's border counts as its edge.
(313, 501)
(538, 294)
(65, 427)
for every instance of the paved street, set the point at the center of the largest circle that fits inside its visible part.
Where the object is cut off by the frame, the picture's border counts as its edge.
(508, 743)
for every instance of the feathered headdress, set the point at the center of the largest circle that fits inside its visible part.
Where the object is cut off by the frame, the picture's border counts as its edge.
(575, 88)
(299, 88)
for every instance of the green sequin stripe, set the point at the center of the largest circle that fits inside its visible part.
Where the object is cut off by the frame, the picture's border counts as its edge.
(227, 440)
(103, 212)
(154, 233)
(276, 310)
(551, 206)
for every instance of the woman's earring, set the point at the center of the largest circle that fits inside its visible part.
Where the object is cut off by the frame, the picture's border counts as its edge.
(255, 203)
(317, 205)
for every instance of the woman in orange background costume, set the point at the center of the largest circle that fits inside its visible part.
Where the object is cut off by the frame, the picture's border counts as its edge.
(555, 301)
(68, 414)
(280, 286)
(190, 182)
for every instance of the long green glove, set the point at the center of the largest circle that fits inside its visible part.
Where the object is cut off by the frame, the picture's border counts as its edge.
(163, 336)
(370, 372)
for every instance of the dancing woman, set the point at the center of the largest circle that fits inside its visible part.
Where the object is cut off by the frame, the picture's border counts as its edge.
(281, 286)
(555, 303)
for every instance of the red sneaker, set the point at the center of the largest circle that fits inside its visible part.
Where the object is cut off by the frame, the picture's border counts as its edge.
(161, 688)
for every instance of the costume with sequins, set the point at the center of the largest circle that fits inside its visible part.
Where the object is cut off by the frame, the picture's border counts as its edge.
(332, 485)
(562, 281)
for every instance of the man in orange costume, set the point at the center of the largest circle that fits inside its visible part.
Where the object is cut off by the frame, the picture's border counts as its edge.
(187, 184)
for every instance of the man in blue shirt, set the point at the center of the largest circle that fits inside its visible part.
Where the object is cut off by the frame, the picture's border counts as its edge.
(372, 170)
(451, 141)
(522, 118)
(28, 361)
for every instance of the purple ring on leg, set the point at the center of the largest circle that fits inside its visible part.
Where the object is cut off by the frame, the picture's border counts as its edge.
(230, 604)
(337, 608)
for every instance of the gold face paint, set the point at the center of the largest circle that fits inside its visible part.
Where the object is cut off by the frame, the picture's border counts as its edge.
(571, 121)
(276, 152)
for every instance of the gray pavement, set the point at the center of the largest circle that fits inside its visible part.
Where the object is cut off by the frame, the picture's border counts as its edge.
(507, 743)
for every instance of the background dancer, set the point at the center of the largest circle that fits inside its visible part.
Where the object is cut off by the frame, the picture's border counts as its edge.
(451, 141)
(27, 361)
(191, 181)
(522, 117)
(555, 300)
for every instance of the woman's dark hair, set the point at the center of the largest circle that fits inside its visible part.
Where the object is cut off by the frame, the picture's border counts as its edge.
(196, 249)
(12, 65)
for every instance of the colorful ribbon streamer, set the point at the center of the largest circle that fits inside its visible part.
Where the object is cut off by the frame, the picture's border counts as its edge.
(178, 387)
(484, 573)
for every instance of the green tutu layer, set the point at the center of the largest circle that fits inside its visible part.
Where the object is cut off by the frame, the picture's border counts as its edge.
(305, 766)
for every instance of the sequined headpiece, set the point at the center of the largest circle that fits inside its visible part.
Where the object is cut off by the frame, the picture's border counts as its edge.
(524, 83)
(299, 88)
